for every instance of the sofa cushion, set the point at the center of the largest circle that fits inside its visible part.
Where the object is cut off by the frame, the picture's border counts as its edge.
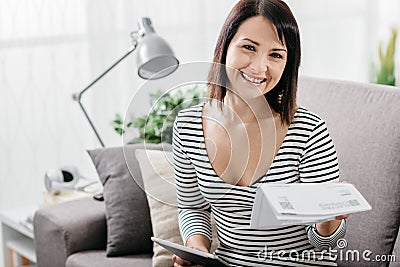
(159, 183)
(363, 122)
(158, 180)
(127, 212)
(98, 258)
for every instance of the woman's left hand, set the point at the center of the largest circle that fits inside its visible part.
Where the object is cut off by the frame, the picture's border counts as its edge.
(329, 227)
(341, 217)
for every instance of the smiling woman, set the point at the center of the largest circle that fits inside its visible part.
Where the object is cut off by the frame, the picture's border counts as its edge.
(260, 59)
(256, 133)
(285, 37)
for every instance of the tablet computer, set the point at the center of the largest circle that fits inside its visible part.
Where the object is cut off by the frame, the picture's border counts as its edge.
(192, 255)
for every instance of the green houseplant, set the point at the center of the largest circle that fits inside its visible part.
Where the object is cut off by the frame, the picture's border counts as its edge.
(157, 126)
(385, 74)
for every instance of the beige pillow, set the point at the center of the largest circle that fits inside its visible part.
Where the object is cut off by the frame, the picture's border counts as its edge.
(159, 183)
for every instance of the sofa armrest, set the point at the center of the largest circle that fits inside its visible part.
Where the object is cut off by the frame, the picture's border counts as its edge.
(63, 229)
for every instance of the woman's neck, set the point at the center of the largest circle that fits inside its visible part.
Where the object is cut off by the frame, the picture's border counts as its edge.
(248, 110)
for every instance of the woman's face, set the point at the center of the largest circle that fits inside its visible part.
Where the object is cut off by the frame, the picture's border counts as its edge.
(255, 57)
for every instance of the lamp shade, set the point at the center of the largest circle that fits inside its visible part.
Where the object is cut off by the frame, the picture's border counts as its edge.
(155, 58)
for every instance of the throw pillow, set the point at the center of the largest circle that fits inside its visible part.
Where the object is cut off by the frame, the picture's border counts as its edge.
(159, 183)
(127, 212)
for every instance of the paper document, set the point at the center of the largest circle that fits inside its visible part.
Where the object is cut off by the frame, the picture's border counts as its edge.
(278, 205)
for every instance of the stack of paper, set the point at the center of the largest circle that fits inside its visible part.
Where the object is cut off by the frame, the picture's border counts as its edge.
(278, 205)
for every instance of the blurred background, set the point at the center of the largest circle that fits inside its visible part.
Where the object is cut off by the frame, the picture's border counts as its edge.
(50, 49)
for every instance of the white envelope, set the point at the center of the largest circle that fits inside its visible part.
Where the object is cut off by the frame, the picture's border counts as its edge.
(279, 205)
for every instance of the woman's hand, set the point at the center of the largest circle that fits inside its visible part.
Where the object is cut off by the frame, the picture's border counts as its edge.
(198, 242)
(329, 227)
(341, 217)
(178, 261)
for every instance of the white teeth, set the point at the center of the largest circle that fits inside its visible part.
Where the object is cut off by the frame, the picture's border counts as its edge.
(250, 79)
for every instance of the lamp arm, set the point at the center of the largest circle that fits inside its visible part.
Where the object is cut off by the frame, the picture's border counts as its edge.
(91, 123)
(78, 96)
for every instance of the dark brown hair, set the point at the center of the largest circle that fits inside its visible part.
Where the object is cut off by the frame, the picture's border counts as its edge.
(282, 98)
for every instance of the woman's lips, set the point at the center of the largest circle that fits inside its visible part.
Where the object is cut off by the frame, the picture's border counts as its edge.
(252, 79)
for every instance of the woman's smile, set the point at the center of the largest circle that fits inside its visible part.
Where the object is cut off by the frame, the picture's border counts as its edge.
(252, 79)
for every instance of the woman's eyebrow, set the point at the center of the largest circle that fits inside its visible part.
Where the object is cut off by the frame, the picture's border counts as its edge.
(254, 42)
(279, 49)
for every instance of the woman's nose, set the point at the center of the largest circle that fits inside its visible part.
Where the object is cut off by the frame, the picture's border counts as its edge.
(259, 64)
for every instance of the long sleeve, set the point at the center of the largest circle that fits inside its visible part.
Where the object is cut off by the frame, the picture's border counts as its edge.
(193, 209)
(319, 164)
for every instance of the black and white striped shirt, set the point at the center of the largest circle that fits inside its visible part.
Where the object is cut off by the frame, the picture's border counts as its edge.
(307, 155)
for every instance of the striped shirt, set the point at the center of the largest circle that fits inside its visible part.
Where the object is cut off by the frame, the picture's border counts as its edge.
(307, 155)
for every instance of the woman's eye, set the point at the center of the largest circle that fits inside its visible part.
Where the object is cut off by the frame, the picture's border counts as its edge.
(249, 47)
(276, 55)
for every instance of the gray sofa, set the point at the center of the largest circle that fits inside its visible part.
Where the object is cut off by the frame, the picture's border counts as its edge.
(364, 121)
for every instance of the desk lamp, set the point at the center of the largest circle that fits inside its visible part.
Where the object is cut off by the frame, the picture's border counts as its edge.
(155, 59)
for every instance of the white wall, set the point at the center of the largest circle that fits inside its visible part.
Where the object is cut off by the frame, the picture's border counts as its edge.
(340, 38)
(52, 49)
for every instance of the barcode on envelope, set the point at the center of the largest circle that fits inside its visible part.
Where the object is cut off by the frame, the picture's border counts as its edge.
(354, 202)
(339, 205)
(286, 205)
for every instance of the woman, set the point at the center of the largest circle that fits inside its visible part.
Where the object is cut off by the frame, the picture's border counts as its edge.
(252, 132)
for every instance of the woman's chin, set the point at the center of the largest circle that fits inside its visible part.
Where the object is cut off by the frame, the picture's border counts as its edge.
(248, 90)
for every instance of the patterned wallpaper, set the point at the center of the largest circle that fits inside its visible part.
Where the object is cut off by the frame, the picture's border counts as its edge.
(43, 60)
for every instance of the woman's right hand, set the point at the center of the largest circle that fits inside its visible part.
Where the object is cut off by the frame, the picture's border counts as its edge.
(196, 241)
(179, 262)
